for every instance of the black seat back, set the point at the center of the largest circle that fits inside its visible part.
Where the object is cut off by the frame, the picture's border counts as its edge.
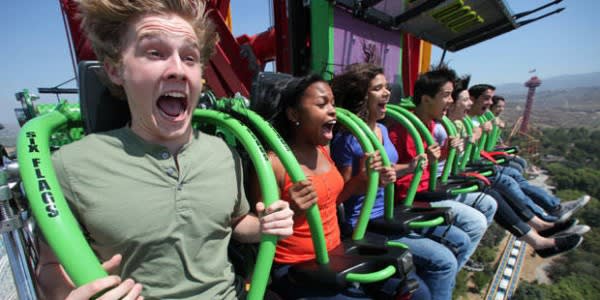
(100, 110)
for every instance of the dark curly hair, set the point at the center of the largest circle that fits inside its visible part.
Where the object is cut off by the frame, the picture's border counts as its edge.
(274, 93)
(351, 87)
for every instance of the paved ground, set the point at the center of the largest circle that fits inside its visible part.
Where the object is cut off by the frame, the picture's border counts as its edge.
(7, 288)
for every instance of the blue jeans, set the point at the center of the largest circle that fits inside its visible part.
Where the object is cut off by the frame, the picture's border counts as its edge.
(538, 200)
(435, 261)
(519, 162)
(481, 202)
(470, 220)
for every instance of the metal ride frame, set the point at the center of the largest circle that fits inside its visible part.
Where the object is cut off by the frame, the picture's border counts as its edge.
(226, 75)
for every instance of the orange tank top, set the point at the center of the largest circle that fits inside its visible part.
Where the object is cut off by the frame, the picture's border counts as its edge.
(299, 246)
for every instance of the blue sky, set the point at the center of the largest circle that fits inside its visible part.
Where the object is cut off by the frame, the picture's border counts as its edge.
(35, 52)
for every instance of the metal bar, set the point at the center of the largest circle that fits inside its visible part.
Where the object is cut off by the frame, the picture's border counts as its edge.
(56, 90)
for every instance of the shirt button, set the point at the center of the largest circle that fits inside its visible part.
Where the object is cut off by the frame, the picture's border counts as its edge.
(164, 155)
(171, 171)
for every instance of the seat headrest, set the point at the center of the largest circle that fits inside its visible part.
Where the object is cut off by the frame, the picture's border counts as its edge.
(100, 110)
(266, 92)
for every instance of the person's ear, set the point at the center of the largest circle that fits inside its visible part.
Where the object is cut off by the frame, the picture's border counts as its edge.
(291, 114)
(113, 71)
(426, 99)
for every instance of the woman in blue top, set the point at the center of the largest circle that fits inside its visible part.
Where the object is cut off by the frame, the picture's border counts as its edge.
(362, 89)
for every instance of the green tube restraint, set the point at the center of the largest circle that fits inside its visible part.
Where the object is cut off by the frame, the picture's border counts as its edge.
(365, 213)
(451, 131)
(384, 274)
(493, 140)
(476, 152)
(57, 222)
(293, 168)
(424, 132)
(418, 173)
(426, 135)
(469, 147)
(268, 186)
(290, 163)
(465, 159)
(389, 189)
(484, 135)
(47, 202)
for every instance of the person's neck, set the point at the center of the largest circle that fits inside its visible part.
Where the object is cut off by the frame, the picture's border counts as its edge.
(372, 124)
(305, 152)
(422, 114)
(173, 145)
(471, 113)
(456, 115)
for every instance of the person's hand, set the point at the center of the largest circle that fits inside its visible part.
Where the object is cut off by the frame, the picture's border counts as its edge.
(476, 134)
(386, 175)
(500, 123)
(472, 139)
(374, 163)
(434, 152)
(277, 219)
(303, 196)
(112, 285)
(412, 166)
(487, 126)
(456, 143)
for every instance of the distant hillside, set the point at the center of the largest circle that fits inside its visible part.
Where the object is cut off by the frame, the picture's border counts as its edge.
(8, 135)
(573, 107)
(554, 83)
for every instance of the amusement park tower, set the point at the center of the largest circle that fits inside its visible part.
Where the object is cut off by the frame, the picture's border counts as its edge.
(532, 83)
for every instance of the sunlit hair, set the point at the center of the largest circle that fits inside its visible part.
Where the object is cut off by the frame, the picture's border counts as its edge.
(350, 88)
(431, 82)
(106, 22)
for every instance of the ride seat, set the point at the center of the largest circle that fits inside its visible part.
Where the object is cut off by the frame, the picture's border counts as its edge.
(363, 256)
(100, 110)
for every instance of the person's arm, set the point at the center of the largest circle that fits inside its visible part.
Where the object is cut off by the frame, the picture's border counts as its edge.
(476, 134)
(357, 184)
(434, 152)
(277, 219)
(302, 194)
(454, 142)
(405, 169)
(487, 126)
(53, 282)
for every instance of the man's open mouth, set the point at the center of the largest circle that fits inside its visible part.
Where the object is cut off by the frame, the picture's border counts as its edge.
(173, 104)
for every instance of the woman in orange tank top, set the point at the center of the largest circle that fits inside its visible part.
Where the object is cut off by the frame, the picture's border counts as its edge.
(303, 112)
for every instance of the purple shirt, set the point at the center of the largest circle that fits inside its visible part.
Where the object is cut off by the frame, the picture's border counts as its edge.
(346, 151)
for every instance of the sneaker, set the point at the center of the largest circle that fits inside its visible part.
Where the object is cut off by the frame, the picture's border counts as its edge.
(566, 209)
(558, 228)
(474, 266)
(577, 229)
(562, 245)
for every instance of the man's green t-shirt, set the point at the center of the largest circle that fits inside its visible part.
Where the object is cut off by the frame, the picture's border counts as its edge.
(169, 217)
